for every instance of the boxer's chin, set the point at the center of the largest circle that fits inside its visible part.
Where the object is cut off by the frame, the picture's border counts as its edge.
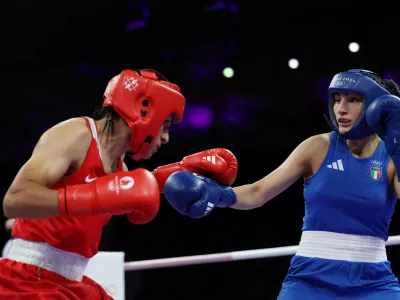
(148, 155)
(130, 153)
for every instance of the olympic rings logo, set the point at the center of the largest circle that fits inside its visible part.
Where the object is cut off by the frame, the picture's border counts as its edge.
(340, 83)
(376, 163)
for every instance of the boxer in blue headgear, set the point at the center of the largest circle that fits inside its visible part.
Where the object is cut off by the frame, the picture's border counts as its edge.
(350, 190)
(379, 115)
(363, 83)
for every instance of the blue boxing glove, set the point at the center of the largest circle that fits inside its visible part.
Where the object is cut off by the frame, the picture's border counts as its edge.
(196, 196)
(383, 116)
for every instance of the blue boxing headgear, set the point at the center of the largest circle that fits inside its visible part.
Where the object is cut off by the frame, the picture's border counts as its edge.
(361, 82)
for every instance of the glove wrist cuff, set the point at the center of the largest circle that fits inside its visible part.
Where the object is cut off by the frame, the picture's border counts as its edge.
(228, 197)
(162, 173)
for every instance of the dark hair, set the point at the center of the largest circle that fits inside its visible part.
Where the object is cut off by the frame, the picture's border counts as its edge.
(390, 85)
(110, 115)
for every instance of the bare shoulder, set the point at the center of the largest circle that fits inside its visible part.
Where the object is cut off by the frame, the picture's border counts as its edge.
(76, 125)
(58, 150)
(315, 151)
(72, 136)
(318, 142)
(314, 144)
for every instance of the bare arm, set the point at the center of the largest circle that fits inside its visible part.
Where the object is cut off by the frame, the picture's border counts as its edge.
(396, 184)
(393, 179)
(29, 195)
(254, 195)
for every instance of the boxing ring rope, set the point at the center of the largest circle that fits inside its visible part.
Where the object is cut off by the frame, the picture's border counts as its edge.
(222, 257)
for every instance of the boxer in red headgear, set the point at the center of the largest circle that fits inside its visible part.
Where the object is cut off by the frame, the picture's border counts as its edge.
(219, 164)
(76, 180)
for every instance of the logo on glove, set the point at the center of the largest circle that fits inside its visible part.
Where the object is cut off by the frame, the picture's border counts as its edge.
(210, 206)
(202, 177)
(126, 182)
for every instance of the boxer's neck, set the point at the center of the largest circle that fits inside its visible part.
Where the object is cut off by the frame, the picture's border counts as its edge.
(114, 145)
(365, 147)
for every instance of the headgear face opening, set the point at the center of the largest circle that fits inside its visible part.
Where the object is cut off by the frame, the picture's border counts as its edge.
(357, 81)
(144, 102)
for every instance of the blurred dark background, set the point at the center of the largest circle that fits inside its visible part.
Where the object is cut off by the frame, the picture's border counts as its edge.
(57, 57)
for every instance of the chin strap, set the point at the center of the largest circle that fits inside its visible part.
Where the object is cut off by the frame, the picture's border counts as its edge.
(333, 128)
(329, 123)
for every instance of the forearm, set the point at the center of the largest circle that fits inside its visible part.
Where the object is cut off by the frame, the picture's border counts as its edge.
(248, 197)
(31, 201)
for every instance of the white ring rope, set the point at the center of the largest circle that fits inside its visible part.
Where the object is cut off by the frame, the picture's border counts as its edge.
(222, 257)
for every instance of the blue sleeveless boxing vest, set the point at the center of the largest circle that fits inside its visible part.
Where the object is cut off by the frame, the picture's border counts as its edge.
(349, 194)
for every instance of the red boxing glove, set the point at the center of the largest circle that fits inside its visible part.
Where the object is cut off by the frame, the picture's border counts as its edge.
(218, 164)
(135, 192)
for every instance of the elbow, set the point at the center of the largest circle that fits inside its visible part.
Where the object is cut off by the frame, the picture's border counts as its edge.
(7, 206)
(10, 205)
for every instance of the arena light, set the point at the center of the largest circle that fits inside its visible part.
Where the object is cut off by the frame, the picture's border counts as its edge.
(293, 63)
(354, 47)
(228, 72)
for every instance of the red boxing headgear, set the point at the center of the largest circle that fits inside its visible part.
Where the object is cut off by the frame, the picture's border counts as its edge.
(144, 102)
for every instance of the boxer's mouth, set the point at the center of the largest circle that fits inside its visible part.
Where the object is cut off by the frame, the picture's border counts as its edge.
(344, 122)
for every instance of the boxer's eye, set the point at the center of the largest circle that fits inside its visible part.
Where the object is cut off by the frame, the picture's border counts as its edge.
(356, 99)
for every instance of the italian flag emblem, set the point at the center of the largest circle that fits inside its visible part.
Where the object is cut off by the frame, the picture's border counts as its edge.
(375, 172)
